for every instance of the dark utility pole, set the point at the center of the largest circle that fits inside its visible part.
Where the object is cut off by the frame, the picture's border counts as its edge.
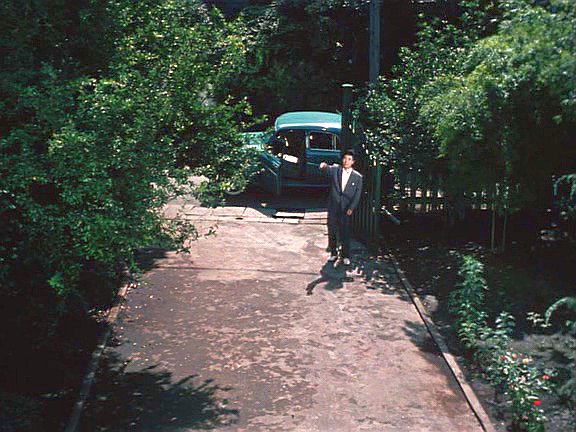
(374, 54)
(346, 133)
(373, 173)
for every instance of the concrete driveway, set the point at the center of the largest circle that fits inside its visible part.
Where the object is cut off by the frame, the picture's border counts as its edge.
(255, 331)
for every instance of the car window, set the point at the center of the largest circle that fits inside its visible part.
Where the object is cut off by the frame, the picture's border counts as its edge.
(290, 142)
(323, 141)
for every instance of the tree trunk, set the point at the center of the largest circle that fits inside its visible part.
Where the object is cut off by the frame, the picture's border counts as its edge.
(503, 245)
(374, 49)
(505, 222)
(493, 225)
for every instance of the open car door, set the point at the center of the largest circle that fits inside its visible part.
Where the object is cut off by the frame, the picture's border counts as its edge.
(269, 177)
(290, 147)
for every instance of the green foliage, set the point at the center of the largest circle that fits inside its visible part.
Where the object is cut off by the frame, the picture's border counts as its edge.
(568, 303)
(467, 302)
(522, 383)
(483, 103)
(493, 340)
(566, 375)
(510, 373)
(504, 116)
(107, 109)
(565, 193)
(300, 52)
(391, 110)
(567, 390)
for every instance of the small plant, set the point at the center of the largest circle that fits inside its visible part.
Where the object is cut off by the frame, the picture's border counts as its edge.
(565, 376)
(522, 384)
(511, 374)
(567, 389)
(568, 303)
(537, 320)
(466, 302)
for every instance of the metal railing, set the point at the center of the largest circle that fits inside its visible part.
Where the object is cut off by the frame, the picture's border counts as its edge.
(366, 223)
(366, 217)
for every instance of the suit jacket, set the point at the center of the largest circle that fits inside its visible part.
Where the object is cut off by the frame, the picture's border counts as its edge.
(341, 200)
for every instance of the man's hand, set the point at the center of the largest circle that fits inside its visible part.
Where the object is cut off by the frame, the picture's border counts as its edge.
(323, 165)
(349, 212)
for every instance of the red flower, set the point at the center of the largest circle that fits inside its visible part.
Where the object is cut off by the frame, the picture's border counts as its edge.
(545, 377)
(514, 356)
(501, 357)
(536, 402)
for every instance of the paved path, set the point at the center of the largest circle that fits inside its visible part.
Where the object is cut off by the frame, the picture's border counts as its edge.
(228, 339)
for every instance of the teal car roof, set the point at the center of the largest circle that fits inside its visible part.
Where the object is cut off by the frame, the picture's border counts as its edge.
(309, 120)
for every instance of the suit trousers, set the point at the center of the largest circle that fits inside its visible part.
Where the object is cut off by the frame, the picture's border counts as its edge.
(339, 232)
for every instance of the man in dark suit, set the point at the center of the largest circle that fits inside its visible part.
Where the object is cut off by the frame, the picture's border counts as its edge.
(345, 192)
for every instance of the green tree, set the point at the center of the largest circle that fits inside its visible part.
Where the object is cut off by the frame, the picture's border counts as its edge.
(300, 52)
(503, 121)
(100, 131)
(390, 111)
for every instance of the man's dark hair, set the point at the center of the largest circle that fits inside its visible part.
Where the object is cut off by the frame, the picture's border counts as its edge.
(349, 152)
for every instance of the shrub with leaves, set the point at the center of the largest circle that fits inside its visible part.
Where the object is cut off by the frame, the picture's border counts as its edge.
(503, 118)
(483, 104)
(567, 386)
(391, 110)
(565, 194)
(522, 384)
(467, 302)
(510, 373)
(99, 133)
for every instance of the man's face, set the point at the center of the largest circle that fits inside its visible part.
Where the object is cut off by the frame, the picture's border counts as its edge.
(347, 161)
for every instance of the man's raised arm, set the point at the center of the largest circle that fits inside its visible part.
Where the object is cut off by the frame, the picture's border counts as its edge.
(326, 167)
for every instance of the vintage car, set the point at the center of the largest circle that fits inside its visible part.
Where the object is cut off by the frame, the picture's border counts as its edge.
(291, 155)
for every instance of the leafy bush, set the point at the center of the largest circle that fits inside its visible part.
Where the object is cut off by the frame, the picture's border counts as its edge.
(482, 104)
(18, 413)
(567, 388)
(466, 303)
(508, 106)
(99, 132)
(512, 374)
(565, 194)
(391, 110)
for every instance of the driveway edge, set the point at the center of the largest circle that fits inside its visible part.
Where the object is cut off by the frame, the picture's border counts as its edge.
(88, 380)
(469, 394)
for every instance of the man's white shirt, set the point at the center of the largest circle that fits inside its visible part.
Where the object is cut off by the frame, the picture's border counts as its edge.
(345, 176)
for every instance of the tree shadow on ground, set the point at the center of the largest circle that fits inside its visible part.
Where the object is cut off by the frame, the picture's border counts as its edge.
(420, 337)
(148, 258)
(150, 400)
(378, 274)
